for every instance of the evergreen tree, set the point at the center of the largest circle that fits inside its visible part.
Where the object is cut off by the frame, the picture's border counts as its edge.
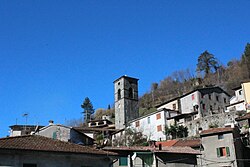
(246, 58)
(206, 63)
(88, 109)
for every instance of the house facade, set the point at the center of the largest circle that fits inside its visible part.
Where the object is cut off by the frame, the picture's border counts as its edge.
(39, 151)
(241, 100)
(204, 101)
(65, 133)
(19, 130)
(155, 157)
(199, 103)
(221, 147)
(172, 104)
(153, 125)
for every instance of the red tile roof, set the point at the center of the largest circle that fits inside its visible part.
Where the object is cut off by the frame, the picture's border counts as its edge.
(40, 143)
(179, 150)
(180, 143)
(216, 130)
(188, 143)
(166, 143)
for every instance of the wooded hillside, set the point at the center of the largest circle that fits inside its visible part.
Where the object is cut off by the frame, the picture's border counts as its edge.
(209, 72)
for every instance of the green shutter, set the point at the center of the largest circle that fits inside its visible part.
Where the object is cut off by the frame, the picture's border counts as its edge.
(123, 161)
(228, 152)
(54, 135)
(218, 152)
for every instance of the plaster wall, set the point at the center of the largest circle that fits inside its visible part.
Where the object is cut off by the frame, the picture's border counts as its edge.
(206, 104)
(15, 133)
(246, 88)
(55, 131)
(170, 105)
(188, 102)
(211, 143)
(149, 125)
(45, 159)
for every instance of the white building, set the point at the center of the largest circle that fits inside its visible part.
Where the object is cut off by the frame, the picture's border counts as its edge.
(241, 100)
(153, 125)
(204, 101)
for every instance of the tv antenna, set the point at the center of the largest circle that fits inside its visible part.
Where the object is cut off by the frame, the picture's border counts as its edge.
(26, 119)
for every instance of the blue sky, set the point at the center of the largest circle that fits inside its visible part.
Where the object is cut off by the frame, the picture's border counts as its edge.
(55, 53)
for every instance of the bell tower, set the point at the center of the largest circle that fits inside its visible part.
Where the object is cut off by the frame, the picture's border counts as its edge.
(126, 101)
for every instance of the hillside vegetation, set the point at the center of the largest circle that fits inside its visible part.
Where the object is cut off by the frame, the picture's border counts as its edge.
(209, 72)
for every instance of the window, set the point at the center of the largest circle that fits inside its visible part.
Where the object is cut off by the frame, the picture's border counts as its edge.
(130, 93)
(159, 128)
(223, 152)
(148, 120)
(119, 94)
(217, 98)
(123, 161)
(220, 136)
(211, 108)
(203, 106)
(210, 97)
(225, 100)
(240, 92)
(174, 106)
(192, 96)
(29, 165)
(137, 123)
(158, 116)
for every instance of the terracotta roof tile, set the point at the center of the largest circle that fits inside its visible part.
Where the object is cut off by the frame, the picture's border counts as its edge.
(216, 130)
(188, 143)
(40, 143)
(166, 143)
(179, 150)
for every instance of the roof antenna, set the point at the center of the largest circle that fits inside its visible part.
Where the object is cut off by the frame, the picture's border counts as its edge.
(26, 118)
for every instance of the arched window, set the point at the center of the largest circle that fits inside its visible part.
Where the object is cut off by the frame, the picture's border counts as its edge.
(130, 94)
(119, 94)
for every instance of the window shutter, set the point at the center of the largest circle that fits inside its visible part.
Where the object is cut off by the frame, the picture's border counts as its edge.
(228, 152)
(218, 152)
(123, 161)
(54, 135)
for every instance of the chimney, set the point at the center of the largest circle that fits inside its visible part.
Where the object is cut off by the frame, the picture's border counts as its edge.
(51, 122)
(160, 146)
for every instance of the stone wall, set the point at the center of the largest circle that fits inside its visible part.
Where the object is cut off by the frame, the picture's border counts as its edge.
(215, 120)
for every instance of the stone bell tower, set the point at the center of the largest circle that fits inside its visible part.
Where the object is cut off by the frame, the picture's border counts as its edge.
(126, 101)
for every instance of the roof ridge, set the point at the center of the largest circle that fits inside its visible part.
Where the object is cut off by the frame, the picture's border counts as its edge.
(10, 137)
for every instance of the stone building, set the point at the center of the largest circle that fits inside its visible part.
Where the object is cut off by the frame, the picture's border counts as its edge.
(126, 101)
